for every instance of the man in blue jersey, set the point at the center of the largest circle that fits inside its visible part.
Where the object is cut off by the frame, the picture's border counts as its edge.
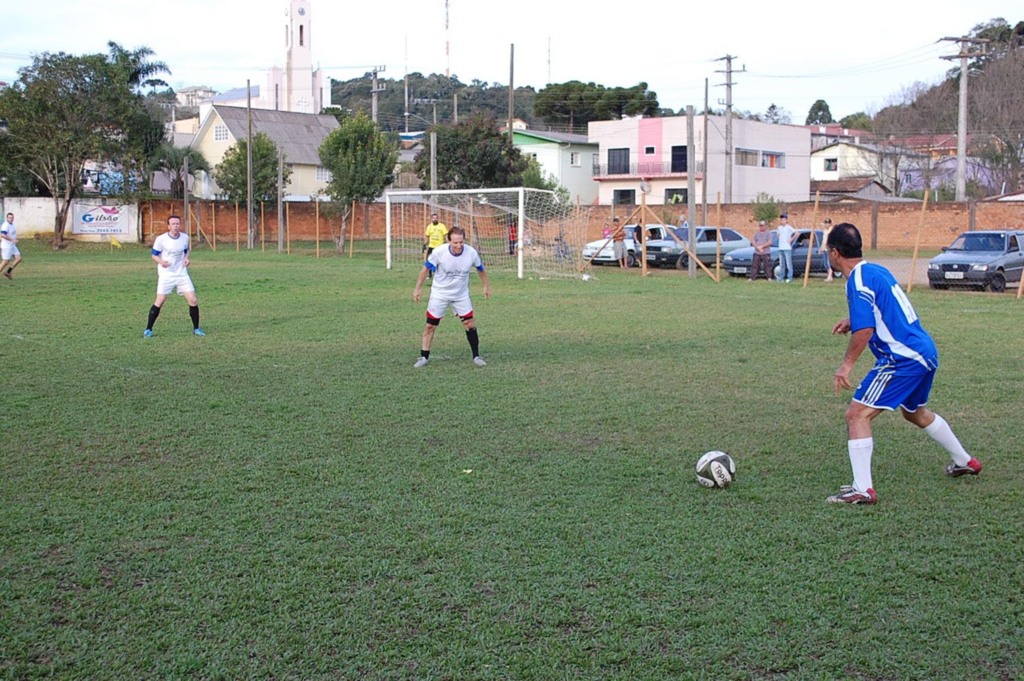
(882, 319)
(451, 264)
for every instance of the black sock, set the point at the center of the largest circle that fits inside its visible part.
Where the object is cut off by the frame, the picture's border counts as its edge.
(154, 312)
(193, 312)
(425, 354)
(474, 341)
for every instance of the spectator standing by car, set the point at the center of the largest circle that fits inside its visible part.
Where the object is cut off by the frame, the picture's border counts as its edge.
(883, 320)
(826, 227)
(619, 243)
(762, 252)
(786, 233)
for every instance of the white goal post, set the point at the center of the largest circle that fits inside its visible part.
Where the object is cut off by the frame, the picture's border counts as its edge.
(526, 231)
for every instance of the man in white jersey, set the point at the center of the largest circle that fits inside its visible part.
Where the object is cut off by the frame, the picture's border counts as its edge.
(882, 319)
(170, 253)
(9, 252)
(451, 264)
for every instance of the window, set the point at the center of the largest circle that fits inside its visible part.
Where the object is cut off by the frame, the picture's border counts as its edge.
(323, 174)
(680, 162)
(624, 196)
(676, 196)
(575, 159)
(618, 161)
(832, 164)
(730, 235)
(301, 36)
(649, 150)
(773, 159)
(746, 157)
(1012, 248)
(220, 133)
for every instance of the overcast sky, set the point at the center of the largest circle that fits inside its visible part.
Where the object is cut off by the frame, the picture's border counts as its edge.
(855, 56)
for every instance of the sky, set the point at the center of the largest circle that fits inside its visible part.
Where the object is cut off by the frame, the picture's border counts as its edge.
(855, 56)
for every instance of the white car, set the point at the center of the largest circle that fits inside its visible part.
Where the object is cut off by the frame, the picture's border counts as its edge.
(601, 251)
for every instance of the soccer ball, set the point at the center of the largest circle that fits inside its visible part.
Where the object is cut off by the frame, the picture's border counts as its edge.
(586, 277)
(716, 469)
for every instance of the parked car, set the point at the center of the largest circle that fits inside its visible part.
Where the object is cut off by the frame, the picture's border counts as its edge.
(600, 252)
(669, 252)
(739, 262)
(986, 259)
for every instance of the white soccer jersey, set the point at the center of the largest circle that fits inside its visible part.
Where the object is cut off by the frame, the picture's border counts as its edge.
(173, 251)
(451, 272)
(10, 230)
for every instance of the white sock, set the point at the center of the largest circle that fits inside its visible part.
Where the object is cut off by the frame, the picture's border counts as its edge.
(860, 461)
(940, 431)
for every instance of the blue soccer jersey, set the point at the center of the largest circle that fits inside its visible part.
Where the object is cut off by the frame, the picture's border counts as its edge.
(877, 301)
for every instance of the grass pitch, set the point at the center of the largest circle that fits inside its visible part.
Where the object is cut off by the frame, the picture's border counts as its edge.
(288, 498)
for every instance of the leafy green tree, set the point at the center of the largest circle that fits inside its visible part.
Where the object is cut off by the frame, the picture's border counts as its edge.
(765, 207)
(230, 173)
(472, 155)
(819, 114)
(856, 121)
(571, 104)
(361, 159)
(136, 67)
(170, 160)
(362, 162)
(64, 110)
(619, 102)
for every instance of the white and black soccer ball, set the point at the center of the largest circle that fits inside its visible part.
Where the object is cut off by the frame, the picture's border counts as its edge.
(716, 469)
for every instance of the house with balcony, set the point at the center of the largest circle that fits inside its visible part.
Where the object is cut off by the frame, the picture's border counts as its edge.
(298, 135)
(566, 157)
(650, 156)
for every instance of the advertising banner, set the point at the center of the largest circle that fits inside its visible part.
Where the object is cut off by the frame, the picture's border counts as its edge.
(102, 219)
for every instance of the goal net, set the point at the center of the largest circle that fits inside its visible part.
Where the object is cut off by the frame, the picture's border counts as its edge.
(525, 231)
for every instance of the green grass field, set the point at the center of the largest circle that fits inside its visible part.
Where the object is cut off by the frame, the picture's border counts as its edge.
(287, 498)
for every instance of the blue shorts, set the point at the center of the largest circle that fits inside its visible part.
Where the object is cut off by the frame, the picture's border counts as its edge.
(885, 388)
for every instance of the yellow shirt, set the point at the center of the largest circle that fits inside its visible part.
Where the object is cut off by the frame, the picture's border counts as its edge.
(436, 234)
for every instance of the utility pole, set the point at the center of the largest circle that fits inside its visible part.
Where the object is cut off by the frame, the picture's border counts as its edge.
(374, 90)
(728, 122)
(250, 225)
(511, 90)
(961, 122)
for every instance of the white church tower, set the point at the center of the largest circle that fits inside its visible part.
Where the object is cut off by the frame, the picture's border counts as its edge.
(297, 87)
(302, 84)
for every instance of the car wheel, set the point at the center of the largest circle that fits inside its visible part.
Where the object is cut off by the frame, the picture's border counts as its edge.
(997, 284)
(683, 263)
(631, 259)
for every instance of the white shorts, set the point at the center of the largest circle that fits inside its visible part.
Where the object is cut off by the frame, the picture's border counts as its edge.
(8, 250)
(167, 283)
(437, 307)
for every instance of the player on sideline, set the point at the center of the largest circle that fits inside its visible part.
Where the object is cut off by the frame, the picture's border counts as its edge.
(452, 263)
(435, 234)
(882, 318)
(9, 246)
(170, 253)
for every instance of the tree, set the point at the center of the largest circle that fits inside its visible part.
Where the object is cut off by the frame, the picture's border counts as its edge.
(362, 162)
(776, 114)
(136, 68)
(819, 114)
(534, 177)
(619, 102)
(571, 104)
(997, 121)
(765, 207)
(62, 111)
(472, 155)
(170, 160)
(856, 121)
(230, 174)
